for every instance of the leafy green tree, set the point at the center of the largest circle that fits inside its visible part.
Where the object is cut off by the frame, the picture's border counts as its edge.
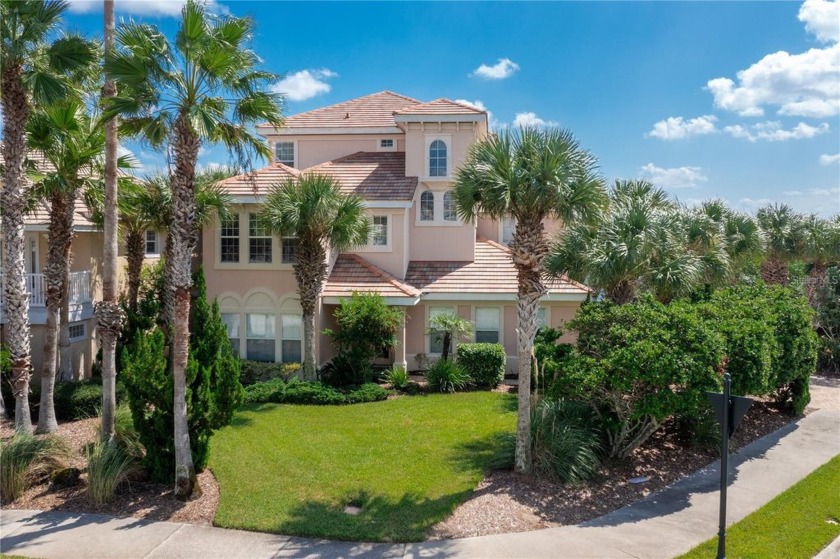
(450, 328)
(530, 174)
(313, 210)
(203, 87)
(33, 70)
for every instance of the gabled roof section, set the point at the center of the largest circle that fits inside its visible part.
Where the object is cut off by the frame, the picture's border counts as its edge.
(371, 175)
(352, 273)
(440, 107)
(375, 110)
(492, 271)
(258, 182)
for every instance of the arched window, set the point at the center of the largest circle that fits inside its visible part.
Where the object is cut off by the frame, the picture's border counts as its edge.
(427, 206)
(449, 213)
(437, 159)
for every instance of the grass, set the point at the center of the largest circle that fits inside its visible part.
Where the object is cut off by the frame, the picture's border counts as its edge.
(26, 458)
(407, 463)
(796, 524)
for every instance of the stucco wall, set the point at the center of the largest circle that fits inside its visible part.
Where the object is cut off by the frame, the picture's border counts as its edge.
(393, 258)
(316, 149)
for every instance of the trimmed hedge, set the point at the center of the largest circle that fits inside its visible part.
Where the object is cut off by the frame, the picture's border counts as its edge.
(275, 391)
(73, 399)
(258, 371)
(484, 363)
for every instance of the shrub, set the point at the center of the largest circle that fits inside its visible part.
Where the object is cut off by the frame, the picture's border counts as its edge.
(125, 433)
(447, 376)
(484, 363)
(109, 465)
(565, 443)
(258, 371)
(82, 399)
(312, 393)
(370, 392)
(397, 377)
(270, 391)
(639, 364)
(25, 459)
(827, 304)
(366, 327)
(796, 359)
(548, 356)
(213, 388)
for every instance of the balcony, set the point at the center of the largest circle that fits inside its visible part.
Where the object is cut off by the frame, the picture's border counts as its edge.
(79, 295)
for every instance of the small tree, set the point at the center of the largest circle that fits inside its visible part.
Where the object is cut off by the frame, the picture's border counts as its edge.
(366, 327)
(451, 328)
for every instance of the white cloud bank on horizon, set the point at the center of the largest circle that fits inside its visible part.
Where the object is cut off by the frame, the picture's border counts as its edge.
(166, 8)
(674, 177)
(305, 84)
(502, 69)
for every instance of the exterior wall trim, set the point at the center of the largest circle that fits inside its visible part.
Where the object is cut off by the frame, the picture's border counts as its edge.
(268, 130)
(392, 301)
(457, 296)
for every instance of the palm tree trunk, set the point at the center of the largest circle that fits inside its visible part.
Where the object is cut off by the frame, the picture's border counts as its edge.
(186, 147)
(774, 271)
(65, 365)
(310, 272)
(60, 236)
(528, 250)
(622, 292)
(109, 315)
(134, 251)
(15, 114)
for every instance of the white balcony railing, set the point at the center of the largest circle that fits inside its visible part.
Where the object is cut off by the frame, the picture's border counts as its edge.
(79, 291)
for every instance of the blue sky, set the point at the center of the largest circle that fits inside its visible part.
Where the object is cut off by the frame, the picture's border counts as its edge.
(735, 100)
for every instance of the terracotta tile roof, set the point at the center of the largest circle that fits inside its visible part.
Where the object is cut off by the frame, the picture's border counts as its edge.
(440, 107)
(491, 272)
(352, 273)
(371, 175)
(373, 110)
(258, 182)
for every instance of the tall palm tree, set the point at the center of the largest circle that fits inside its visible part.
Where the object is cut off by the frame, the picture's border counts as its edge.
(783, 232)
(313, 210)
(204, 87)
(530, 174)
(30, 70)
(820, 247)
(73, 144)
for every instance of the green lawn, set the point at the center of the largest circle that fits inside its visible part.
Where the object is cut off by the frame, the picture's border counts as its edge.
(796, 524)
(406, 462)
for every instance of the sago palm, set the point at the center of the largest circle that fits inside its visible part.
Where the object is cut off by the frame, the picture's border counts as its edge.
(203, 87)
(313, 210)
(31, 70)
(783, 233)
(530, 174)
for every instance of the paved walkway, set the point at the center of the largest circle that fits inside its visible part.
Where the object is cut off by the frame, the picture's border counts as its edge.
(663, 525)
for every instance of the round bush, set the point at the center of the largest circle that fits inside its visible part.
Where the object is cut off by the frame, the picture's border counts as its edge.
(484, 363)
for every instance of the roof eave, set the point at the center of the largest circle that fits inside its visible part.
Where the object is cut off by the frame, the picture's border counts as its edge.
(266, 130)
(406, 118)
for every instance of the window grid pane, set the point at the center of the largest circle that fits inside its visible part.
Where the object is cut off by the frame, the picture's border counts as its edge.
(435, 339)
(449, 213)
(379, 235)
(229, 232)
(259, 242)
(427, 206)
(231, 321)
(508, 227)
(437, 159)
(386, 143)
(487, 325)
(542, 321)
(260, 337)
(151, 242)
(288, 250)
(285, 152)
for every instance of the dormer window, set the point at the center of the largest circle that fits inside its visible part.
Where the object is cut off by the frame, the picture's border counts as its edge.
(427, 206)
(285, 153)
(387, 144)
(437, 159)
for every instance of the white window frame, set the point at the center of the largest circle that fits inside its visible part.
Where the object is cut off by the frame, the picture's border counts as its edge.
(273, 315)
(294, 152)
(500, 313)
(78, 338)
(281, 339)
(438, 205)
(239, 336)
(388, 246)
(420, 207)
(235, 216)
(451, 195)
(447, 140)
(546, 316)
(146, 252)
(380, 147)
(267, 235)
(282, 255)
(448, 309)
(512, 220)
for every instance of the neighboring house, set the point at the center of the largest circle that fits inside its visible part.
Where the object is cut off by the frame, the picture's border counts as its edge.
(399, 155)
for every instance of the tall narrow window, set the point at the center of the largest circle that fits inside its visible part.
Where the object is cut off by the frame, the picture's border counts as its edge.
(379, 232)
(285, 153)
(259, 241)
(260, 337)
(152, 248)
(229, 233)
(427, 206)
(437, 159)
(231, 321)
(487, 325)
(291, 334)
(288, 250)
(449, 213)
(508, 227)
(542, 319)
(436, 338)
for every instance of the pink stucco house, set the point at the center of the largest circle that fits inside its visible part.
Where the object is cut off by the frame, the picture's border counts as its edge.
(399, 154)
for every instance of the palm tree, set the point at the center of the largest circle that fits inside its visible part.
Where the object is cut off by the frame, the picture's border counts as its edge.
(30, 69)
(313, 210)
(73, 144)
(204, 87)
(449, 327)
(783, 231)
(530, 174)
(820, 247)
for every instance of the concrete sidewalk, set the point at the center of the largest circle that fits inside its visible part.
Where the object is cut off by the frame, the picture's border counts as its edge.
(662, 525)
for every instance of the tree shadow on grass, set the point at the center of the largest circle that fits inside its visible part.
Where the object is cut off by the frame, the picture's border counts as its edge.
(242, 420)
(493, 452)
(377, 517)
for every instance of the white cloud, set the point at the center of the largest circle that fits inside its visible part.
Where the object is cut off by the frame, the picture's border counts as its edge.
(674, 177)
(677, 128)
(531, 120)
(478, 104)
(305, 84)
(821, 18)
(824, 191)
(772, 131)
(827, 159)
(166, 8)
(502, 69)
(792, 193)
(752, 204)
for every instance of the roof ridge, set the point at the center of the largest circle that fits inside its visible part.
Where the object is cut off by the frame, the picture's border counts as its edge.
(334, 105)
(460, 104)
(404, 287)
